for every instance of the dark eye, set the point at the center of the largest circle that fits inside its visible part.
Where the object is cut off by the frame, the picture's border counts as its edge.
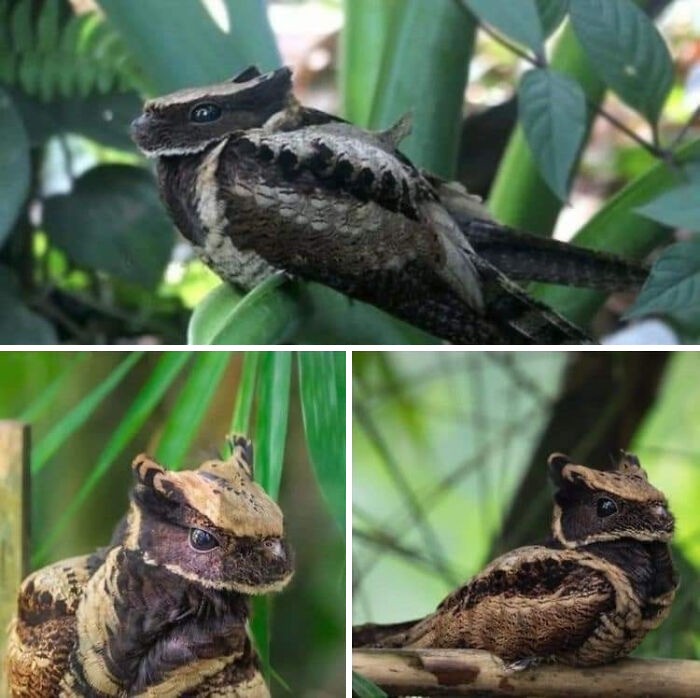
(204, 113)
(606, 507)
(202, 540)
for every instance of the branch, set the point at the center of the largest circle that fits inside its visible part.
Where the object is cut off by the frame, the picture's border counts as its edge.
(465, 672)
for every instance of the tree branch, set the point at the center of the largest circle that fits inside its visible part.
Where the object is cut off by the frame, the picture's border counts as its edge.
(436, 672)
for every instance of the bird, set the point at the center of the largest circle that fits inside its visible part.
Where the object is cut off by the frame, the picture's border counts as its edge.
(163, 609)
(587, 596)
(260, 184)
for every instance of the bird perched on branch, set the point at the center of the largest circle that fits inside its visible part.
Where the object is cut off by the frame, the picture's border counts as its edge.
(259, 183)
(587, 596)
(163, 610)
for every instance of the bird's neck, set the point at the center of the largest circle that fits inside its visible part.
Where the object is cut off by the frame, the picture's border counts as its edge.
(139, 624)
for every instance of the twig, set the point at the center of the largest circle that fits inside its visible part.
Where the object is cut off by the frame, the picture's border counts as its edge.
(540, 62)
(466, 672)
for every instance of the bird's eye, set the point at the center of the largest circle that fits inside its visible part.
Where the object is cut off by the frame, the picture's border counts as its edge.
(204, 113)
(202, 541)
(606, 507)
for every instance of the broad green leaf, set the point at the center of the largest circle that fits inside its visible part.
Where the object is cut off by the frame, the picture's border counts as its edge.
(627, 51)
(80, 414)
(518, 182)
(266, 315)
(20, 325)
(169, 367)
(188, 46)
(322, 388)
(551, 13)
(274, 377)
(14, 164)
(240, 422)
(425, 72)
(364, 40)
(191, 407)
(517, 20)
(294, 311)
(673, 287)
(619, 228)
(113, 221)
(552, 111)
(364, 688)
(678, 207)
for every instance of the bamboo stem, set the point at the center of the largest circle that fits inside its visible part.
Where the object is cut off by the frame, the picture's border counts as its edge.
(14, 524)
(435, 672)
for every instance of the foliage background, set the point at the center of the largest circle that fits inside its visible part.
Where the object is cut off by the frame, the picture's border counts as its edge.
(81, 443)
(88, 255)
(449, 463)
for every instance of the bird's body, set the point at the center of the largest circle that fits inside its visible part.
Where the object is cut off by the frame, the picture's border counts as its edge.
(259, 183)
(587, 597)
(163, 610)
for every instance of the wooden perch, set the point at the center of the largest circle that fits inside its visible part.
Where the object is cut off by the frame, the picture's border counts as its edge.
(436, 672)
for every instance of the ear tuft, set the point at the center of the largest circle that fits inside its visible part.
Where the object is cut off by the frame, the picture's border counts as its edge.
(242, 451)
(556, 463)
(252, 71)
(146, 469)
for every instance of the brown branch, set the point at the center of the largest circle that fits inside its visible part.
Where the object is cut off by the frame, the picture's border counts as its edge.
(467, 672)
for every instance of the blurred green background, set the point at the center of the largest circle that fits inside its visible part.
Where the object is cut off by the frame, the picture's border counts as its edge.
(449, 465)
(178, 406)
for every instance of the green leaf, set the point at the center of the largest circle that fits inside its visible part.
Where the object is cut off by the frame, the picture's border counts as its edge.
(678, 207)
(627, 51)
(189, 46)
(240, 422)
(274, 379)
(169, 367)
(322, 388)
(14, 165)
(425, 72)
(80, 414)
(551, 13)
(517, 20)
(113, 221)
(619, 228)
(518, 182)
(364, 688)
(191, 407)
(552, 111)
(673, 287)
(266, 315)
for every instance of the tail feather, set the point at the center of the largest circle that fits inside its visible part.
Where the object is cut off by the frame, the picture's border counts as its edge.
(412, 633)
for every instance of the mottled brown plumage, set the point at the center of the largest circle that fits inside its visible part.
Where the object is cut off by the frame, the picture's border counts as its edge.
(259, 183)
(163, 610)
(586, 597)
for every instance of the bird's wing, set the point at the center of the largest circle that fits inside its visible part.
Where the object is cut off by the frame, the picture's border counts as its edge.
(534, 602)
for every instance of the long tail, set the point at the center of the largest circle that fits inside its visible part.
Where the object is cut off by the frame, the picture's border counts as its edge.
(526, 257)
